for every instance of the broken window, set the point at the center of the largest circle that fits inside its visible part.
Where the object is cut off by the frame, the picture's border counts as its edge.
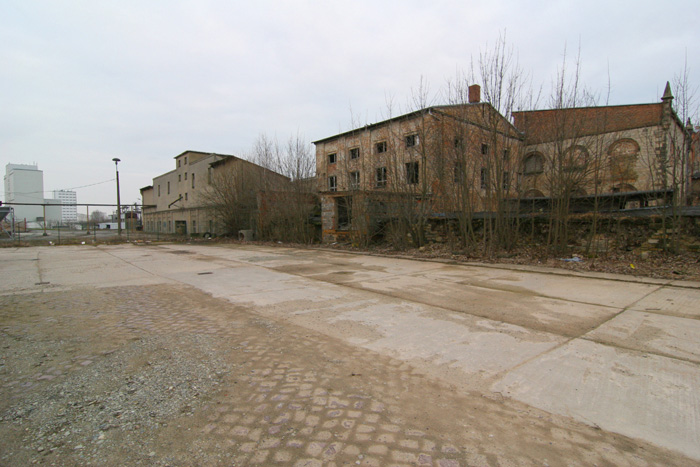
(484, 178)
(484, 149)
(332, 157)
(354, 153)
(380, 177)
(381, 147)
(412, 173)
(354, 180)
(411, 140)
(332, 183)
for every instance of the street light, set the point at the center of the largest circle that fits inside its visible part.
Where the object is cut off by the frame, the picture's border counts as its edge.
(119, 204)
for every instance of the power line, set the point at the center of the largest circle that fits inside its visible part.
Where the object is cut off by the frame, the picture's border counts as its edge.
(62, 189)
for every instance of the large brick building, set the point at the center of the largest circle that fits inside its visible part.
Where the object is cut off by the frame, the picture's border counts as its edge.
(591, 151)
(415, 164)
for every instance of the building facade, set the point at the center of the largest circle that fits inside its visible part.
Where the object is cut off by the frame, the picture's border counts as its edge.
(190, 199)
(69, 208)
(641, 151)
(439, 159)
(24, 190)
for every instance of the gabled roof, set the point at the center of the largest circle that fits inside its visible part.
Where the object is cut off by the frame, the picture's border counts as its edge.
(472, 111)
(542, 126)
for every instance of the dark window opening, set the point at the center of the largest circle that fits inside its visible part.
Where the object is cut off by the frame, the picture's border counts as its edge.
(484, 178)
(354, 153)
(412, 140)
(192, 180)
(332, 183)
(485, 149)
(344, 207)
(412, 173)
(381, 147)
(332, 158)
(506, 181)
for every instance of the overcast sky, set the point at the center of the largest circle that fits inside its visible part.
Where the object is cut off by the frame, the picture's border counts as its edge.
(82, 82)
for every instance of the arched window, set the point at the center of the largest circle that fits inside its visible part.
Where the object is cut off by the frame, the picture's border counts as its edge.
(533, 163)
(623, 155)
(576, 158)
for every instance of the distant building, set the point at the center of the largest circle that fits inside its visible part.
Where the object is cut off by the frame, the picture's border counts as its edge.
(179, 201)
(24, 190)
(69, 210)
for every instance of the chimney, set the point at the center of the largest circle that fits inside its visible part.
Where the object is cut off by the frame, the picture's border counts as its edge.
(474, 94)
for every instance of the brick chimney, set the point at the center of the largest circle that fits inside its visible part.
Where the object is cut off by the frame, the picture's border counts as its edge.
(474, 94)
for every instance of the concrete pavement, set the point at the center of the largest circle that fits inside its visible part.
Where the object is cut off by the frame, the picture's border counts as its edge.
(620, 354)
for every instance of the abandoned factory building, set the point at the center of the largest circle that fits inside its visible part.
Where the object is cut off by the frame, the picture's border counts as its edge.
(436, 161)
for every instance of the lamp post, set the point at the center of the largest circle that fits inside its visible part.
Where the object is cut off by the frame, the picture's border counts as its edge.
(119, 204)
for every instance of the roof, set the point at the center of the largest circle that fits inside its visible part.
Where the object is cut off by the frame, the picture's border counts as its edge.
(435, 109)
(201, 153)
(149, 187)
(542, 126)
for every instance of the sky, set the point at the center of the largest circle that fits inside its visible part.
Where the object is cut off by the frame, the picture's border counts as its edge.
(85, 81)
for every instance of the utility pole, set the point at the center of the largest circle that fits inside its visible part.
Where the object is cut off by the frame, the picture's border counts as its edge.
(119, 204)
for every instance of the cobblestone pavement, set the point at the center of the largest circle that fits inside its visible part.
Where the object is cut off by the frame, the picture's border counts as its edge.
(168, 375)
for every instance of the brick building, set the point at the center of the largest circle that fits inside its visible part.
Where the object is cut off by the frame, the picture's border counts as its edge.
(415, 165)
(638, 154)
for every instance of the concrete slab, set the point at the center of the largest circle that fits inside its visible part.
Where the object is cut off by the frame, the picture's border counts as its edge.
(673, 301)
(636, 394)
(518, 307)
(649, 332)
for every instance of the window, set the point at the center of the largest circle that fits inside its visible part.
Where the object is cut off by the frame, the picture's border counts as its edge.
(411, 140)
(168, 187)
(459, 173)
(354, 153)
(194, 226)
(506, 181)
(158, 190)
(185, 175)
(192, 180)
(533, 163)
(412, 173)
(506, 154)
(575, 158)
(179, 178)
(380, 177)
(354, 180)
(185, 196)
(185, 160)
(332, 158)
(459, 143)
(178, 162)
(484, 149)
(332, 183)
(380, 147)
(484, 178)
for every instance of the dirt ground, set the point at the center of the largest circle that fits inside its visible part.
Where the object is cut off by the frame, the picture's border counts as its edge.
(168, 375)
(656, 264)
